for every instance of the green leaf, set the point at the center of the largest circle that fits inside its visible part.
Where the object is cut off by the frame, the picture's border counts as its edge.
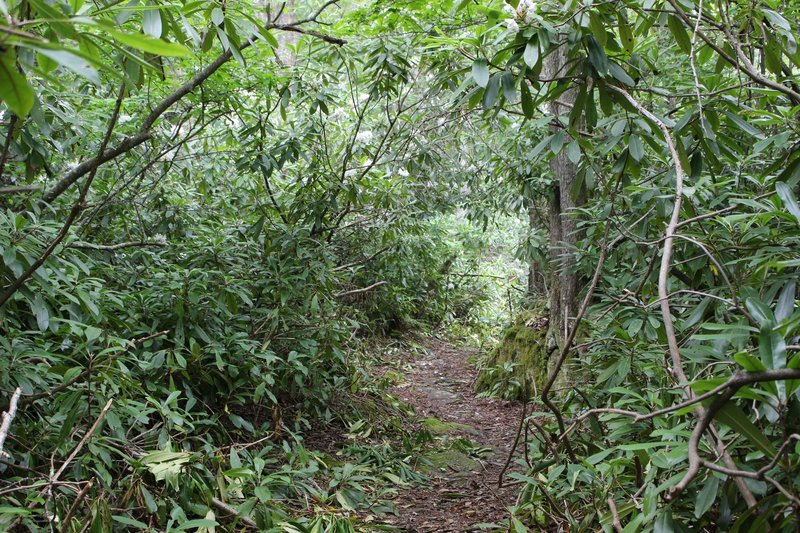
(531, 54)
(509, 87)
(151, 23)
(124, 520)
(619, 74)
(625, 33)
(598, 28)
(14, 89)
(664, 523)
(760, 311)
(526, 100)
(743, 125)
(197, 522)
(636, 147)
(217, 16)
(597, 56)
(149, 501)
(574, 152)
(92, 333)
(519, 527)
(679, 32)
(39, 310)
(732, 416)
(71, 61)
(480, 72)
(706, 497)
(787, 197)
(749, 362)
(557, 142)
(149, 44)
(785, 306)
(491, 93)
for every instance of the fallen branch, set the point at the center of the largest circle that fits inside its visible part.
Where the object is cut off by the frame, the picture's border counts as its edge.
(8, 417)
(614, 516)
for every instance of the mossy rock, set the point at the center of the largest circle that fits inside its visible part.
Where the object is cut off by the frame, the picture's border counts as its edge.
(523, 348)
(440, 427)
(453, 459)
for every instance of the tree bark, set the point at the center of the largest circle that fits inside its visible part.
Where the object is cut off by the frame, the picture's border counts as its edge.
(564, 232)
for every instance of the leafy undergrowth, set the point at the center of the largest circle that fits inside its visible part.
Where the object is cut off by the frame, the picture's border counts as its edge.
(306, 473)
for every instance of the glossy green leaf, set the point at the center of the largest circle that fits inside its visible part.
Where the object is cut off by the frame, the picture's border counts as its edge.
(619, 74)
(760, 312)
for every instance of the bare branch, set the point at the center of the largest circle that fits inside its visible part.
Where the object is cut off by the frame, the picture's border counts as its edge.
(231, 510)
(359, 291)
(8, 417)
(16, 189)
(114, 247)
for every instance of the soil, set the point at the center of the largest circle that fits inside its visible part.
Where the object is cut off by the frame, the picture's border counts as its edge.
(462, 490)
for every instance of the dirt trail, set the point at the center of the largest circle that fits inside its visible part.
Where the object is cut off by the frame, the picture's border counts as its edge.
(463, 490)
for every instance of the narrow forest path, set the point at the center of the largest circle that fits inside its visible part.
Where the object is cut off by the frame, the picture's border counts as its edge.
(462, 490)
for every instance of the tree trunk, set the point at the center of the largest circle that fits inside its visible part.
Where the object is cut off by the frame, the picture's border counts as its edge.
(564, 234)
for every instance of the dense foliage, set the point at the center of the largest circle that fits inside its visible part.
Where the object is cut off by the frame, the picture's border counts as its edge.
(210, 209)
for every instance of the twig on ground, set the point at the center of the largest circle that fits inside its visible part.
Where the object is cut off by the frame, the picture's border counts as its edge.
(614, 516)
(231, 510)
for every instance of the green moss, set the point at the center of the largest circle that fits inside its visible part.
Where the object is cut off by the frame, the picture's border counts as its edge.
(520, 356)
(450, 459)
(439, 427)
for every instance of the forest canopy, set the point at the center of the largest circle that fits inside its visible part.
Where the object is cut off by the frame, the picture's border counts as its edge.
(219, 220)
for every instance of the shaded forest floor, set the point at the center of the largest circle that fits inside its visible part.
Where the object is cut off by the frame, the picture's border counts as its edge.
(475, 436)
